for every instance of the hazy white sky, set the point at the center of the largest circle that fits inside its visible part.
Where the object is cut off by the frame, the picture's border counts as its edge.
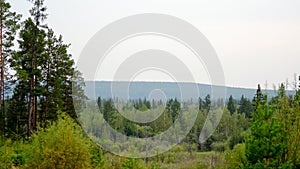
(256, 41)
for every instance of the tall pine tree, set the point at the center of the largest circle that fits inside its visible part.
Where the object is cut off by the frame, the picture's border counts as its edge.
(9, 25)
(230, 105)
(45, 72)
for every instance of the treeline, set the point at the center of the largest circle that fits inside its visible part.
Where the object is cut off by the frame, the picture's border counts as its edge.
(268, 139)
(256, 133)
(38, 70)
(230, 131)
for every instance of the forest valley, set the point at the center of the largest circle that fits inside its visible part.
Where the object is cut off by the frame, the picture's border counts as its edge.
(39, 127)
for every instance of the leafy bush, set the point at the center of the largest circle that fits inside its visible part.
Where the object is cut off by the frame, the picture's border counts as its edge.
(220, 146)
(5, 154)
(97, 159)
(62, 145)
(131, 163)
(236, 157)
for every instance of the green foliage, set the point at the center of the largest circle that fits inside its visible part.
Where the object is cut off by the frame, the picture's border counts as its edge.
(174, 107)
(45, 76)
(207, 102)
(236, 157)
(6, 154)
(220, 146)
(231, 105)
(294, 132)
(97, 158)
(267, 144)
(62, 145)
(44, 72)
(9, 27)
(132, 163)
(287, 111)
(245, 106)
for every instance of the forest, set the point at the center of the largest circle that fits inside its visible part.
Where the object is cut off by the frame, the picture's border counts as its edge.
(39, 127)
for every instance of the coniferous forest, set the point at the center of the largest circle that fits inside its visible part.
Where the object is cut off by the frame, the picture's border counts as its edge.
(39, 127)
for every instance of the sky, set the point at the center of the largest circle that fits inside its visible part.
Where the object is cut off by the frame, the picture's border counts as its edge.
(256, 41)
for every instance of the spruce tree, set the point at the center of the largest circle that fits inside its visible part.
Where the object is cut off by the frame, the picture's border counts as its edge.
(245, 106)
(230, 105)
(207, 102)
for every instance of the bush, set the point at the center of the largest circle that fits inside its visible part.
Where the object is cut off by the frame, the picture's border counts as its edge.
(220, 146)
(131, 163)
(97, 159)
(5, 154)
(62, 145)
(236, 157)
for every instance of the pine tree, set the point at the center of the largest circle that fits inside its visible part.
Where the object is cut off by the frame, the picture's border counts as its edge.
(294, 132)
(17, 118)
(9, 24)
(207, 102)
(288, 112)
(245, 106)
(27, 64)
(258, 98)
(50, 82)
(200, 103)
(230, 105)
(265, 146)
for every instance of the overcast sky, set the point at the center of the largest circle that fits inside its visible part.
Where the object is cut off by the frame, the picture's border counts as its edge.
(256, 41)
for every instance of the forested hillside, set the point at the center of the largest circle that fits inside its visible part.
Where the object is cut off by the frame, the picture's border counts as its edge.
(139, 89)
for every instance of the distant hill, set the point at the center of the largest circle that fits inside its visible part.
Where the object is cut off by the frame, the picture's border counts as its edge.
(170, 89)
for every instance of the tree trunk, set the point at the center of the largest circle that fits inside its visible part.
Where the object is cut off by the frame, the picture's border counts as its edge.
(47, 95)
(35, 109)
(31, 111)
(2, 62)
(30, 108)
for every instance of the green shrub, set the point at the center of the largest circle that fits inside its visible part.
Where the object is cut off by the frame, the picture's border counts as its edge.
(132, 163)
(62, 145)
(236, 157)
(220, 146)
(5, 154)
(97, 159)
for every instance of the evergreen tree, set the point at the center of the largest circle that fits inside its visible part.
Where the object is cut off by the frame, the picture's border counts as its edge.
(50, 82)
(62, 80)
(200, 103)
(207, 102)
(27, 64)
(258, 98)
(287, 111)
(245, 106)
(266, 144)
(18, 107)
(173, 106)
(9, 25)
(294, 133)
(29, 59)
(230, 105)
